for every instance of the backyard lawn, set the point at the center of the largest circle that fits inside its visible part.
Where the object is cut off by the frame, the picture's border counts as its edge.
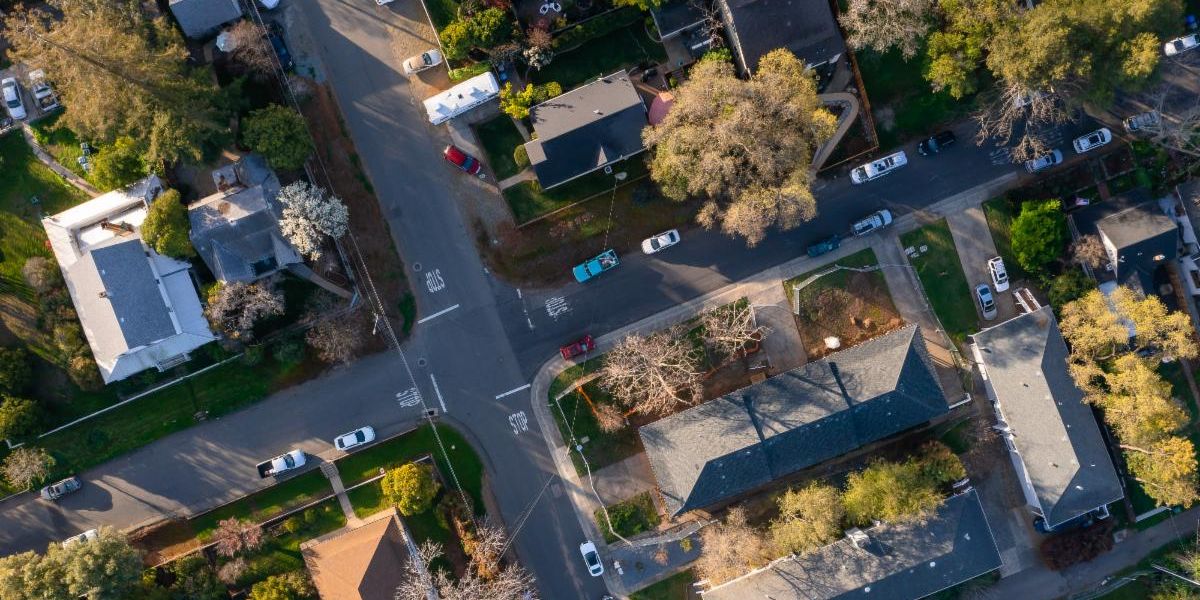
(529, 201)
(1000, 213)
(499, 137)
(942, 277)
(607, 54)
(898, 86)
(849, 305)
(674, 587)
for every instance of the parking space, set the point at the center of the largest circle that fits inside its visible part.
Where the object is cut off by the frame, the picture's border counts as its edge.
(975, 247)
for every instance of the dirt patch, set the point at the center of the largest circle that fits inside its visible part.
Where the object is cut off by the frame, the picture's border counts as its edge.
(343, 173)
(165, 541)
(857, 309)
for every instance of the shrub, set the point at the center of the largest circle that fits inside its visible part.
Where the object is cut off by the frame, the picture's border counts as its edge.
(18, 417)
(279, 134)
(42, 274)
(82, 371)
(253, 356)
(167, 227)
(289, 352)
(596, 27)
(1069, 286)
(15, 370)
(1039, 234)
(292, 524)
(411, 486)
(288, 586)
(521, 156)
(469, 71)
(118, 165)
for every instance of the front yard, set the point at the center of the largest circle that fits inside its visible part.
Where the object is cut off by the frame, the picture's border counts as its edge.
(629, 517)
(529, 201)
(574, 415)
(1000, 213)
(942, 276)
(499, 138)
(904, 105)
(675, 587)
(851, 306)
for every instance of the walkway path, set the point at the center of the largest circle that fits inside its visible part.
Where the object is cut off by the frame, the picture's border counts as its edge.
(49, 161)
(525, 175)
(330, 471)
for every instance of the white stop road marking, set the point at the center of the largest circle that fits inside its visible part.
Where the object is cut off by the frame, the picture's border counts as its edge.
(519, 422)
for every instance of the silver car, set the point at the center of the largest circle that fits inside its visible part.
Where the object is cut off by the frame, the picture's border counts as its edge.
(1044, 161)
(987, 303)
(12, 99)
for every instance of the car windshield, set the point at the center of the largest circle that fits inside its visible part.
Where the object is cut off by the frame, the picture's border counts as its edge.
(14, 103)
(591, 558)
(359, 437)
(288, 461)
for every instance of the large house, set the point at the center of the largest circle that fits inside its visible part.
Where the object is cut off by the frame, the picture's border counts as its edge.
(236, 230)
(586, 129)
(806, 27)
(139, 309)
(1139, 237)
(885, 562)
(363, 563)
(713, 453)
(1054, 442)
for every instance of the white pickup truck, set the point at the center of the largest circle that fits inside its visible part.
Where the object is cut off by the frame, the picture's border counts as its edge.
(282, 463)
(43, 94)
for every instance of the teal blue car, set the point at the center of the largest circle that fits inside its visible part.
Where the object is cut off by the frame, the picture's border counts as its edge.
(595, 266)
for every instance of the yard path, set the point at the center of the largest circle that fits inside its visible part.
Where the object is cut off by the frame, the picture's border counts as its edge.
(49, 161)
(524, 175)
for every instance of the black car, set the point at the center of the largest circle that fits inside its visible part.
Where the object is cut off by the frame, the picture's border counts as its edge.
(936, 143)
(275, 37)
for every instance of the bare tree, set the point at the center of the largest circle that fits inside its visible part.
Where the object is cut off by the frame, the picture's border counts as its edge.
(1090, 251)
(42, 274)
(486, 548)
(232, 571)
(727, 329)
(731, 548)
(1176, 128)
(235, 535)
(653, 375)
(235, 307)
(26, 467)
(338, 340)
(1015, 111)
(608, 417)
(251, 49)
(418, 583)
(885, 24)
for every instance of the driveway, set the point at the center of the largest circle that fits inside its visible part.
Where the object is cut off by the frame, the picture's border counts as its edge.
(973, 239)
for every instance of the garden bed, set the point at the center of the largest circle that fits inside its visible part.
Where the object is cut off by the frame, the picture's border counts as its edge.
(942, 276)
(848, 305)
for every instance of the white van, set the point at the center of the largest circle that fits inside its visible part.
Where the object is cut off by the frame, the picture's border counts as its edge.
(878, 168)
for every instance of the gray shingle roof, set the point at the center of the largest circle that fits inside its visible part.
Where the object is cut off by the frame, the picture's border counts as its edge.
(1024, 361)
(200, 18)
(673, 17)
(792, 421)
(129, 285)
(901, 562)
(806, 27)
(1141, 234)
(585, 129)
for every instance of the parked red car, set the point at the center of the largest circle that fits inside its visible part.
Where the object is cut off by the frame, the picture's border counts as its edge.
(579, 347)
(462, 160)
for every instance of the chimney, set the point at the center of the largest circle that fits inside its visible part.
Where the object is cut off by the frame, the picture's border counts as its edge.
(858, 537)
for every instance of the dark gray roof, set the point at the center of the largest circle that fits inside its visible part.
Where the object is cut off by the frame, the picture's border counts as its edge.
(1024, 361)
(673, 17)
(131, 287)
(585, 129)
(1145, 238)
(200, 18)
(237, 232)
(806, 27)
(900, 562)
(740, 441)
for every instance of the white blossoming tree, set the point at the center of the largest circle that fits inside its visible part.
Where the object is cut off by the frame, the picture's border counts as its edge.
(309, 213)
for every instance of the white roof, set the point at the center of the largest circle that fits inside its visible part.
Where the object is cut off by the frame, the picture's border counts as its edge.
(462, 97)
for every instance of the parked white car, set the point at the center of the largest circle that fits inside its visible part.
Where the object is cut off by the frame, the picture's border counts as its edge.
(1092, 140)
(663, 240)
(872, 222)
(591, 558)
(425, 60)
(1180, 45)
(1044, 161)
(12, 99)
(87, 536)
(1141, 121)
(878, 168)
(987, 303)
(999, 273)
(358, 437)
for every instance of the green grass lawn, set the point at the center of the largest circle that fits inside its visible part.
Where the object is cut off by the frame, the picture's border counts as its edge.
(528, 200)
(629, 517)
(674, 587)
(942, 277)
(365, 464)
(499, 136)
(21, 233)
(600, 56)
(441, 12)
(573, 414)
(1000, 214)
(898, 84)
(268, 503)
(59, 141)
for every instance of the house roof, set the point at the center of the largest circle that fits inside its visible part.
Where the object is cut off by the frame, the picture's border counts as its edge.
(740, 441)
(236, 230)
(806, 27)
(137, 308)
(900, 562)
(585, 129)
(199, 18)
(362, 564)
(671, 18)
(1144, 237)
(1024, 366)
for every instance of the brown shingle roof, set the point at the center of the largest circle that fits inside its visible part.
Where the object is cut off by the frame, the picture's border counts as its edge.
(362, 564)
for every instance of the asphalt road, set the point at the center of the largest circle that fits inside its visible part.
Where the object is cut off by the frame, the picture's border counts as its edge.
(475, 349)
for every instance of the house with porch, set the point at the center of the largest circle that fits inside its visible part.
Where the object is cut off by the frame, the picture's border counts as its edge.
(1053, 440)
(139, 309)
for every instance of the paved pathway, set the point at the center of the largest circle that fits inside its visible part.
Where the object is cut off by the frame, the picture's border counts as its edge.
(330, 471)
(525, 175)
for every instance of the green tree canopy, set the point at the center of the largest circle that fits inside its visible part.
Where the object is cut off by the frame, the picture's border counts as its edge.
(118, 164)
(293, 585)
(485, 29)
(102, 568)
(166, 227)
(516, 103)
(279, 134)
(809, 518)
(957, 50)
(16, 372)
(1039, 234)
(412, 487)
(18, 417)
(1069, 286)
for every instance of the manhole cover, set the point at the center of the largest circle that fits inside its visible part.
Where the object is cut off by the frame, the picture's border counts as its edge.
(422, 362)
(416, 267)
